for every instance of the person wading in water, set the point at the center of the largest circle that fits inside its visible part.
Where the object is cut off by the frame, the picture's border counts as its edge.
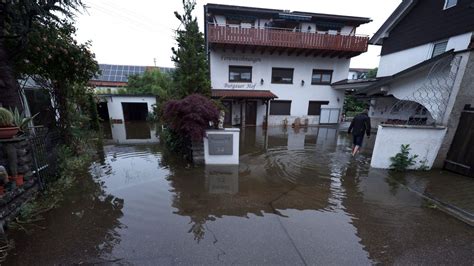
(359, 125)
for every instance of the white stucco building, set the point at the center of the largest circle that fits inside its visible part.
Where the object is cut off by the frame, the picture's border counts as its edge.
(117, 103)
(423, 94)
(276, 67)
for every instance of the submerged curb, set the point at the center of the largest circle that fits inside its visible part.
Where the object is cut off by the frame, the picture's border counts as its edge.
(447, 208)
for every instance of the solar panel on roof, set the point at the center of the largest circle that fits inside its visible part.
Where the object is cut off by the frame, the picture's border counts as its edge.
(120, 73)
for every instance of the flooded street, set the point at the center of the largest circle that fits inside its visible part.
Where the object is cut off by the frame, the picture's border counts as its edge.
(297, 197)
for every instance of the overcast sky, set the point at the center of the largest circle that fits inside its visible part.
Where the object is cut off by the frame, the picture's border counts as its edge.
(135, 32)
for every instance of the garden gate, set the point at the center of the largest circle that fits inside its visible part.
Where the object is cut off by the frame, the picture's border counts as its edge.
(461, 154)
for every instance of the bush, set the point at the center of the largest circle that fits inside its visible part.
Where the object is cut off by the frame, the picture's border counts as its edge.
(402, 160)
(190, 117)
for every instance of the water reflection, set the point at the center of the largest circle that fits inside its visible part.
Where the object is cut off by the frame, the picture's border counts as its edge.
(222, 179)
(85, 228)
(131, 133)
(297, 197)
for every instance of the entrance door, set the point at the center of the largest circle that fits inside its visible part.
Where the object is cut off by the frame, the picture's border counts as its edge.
(135, 111)
(228, 112)
(460, 157)
(251, 113)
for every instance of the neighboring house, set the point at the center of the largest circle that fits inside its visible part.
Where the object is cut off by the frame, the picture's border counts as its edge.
(116, 106)
(358, 73)
(275, 67)
(114, 77)
(423, 92)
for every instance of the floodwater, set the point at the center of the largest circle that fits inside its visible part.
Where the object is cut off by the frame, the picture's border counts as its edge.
(297, 197)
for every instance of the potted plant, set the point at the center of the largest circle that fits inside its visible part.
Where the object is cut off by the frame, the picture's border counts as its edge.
(7, 127)
(20, 120)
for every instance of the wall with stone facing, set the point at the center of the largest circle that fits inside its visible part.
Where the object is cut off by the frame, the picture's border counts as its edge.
(16, 156)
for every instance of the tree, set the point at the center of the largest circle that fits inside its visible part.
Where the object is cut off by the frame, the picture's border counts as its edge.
(153, 81)
(60, 64)
(190, 117)
(372, 73)
(17, 19)
(192, 73)
(352, 104)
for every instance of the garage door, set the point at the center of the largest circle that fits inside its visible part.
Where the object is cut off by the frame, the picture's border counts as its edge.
(329, 116)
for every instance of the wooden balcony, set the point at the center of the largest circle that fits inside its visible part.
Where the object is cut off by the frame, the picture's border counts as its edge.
(285, 41)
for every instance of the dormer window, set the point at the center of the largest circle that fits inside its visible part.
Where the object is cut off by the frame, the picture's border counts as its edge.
(450, 3)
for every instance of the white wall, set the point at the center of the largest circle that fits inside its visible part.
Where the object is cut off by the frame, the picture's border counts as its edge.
(262, 69)
(223, 159)
(352, 75)
(398, 61)
(114, 104)
(424, 142)
(348, 30)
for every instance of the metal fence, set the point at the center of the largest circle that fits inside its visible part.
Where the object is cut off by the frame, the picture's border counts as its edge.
(44, 144)
(428, 104)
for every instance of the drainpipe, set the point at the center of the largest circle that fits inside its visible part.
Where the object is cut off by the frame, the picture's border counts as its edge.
(205, 35)
(267, 102)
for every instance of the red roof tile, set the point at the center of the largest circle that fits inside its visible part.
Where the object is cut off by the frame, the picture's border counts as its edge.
(243, 94)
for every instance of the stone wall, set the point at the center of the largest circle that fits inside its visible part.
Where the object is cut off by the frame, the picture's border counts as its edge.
(17, 158)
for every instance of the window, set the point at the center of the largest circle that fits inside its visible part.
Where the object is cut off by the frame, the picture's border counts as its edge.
(240, 74)
(282, 75)
(321, 76)
(314, 107)
(450, 3)
(280, 107)
(439, 48)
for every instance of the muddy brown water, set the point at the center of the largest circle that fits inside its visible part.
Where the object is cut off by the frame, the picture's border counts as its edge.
(297, 197)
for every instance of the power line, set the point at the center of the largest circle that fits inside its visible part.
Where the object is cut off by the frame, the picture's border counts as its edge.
(131, 19)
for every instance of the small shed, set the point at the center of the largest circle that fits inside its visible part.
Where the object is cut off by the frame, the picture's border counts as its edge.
(119, 108)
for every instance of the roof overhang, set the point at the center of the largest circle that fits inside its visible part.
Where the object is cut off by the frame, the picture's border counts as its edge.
(380, 87)
(400, 12)
(243, 94)
(353, 85)
(256, 11)
(125, 95)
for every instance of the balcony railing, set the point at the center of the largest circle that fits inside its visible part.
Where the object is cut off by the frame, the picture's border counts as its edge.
(285, 38)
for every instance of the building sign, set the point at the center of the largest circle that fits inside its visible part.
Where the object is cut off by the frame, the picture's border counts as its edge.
(240, 86)
(241, 58)
(220, 144)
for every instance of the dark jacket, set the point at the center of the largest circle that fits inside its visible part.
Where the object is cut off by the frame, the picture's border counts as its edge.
(360, 124)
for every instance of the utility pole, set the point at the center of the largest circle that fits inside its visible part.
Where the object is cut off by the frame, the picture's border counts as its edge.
(154, 61)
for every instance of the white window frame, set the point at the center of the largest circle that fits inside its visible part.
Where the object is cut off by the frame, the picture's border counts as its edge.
(446, 3)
